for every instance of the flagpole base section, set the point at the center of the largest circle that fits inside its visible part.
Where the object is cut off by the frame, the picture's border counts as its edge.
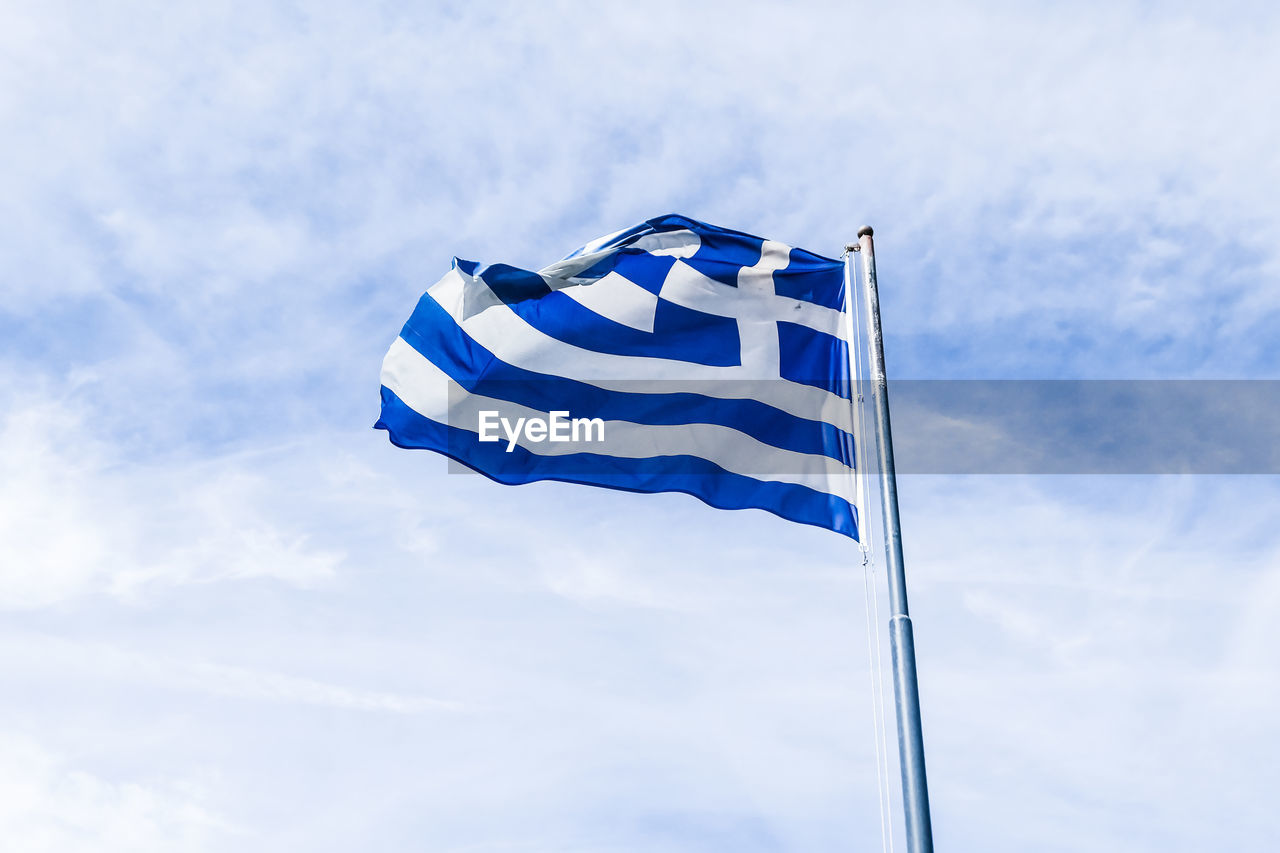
(906, 696)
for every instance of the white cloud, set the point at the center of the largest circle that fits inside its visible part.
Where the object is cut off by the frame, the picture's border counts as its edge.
(78, 516)
(1090, 650)
(214, 220)
(49, 805)
(1112, 169)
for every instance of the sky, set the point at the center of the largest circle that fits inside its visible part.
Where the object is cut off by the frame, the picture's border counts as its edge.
(235, 618)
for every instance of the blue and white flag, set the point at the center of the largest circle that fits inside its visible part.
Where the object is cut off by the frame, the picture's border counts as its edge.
(671, 357)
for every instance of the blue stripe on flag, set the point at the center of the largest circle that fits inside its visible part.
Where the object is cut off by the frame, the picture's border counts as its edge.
(804, 353)
(809, 277)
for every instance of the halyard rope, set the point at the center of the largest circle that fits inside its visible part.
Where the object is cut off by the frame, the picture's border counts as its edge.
(875, 653)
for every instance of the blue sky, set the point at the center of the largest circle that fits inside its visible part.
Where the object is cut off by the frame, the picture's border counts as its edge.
(236, 619)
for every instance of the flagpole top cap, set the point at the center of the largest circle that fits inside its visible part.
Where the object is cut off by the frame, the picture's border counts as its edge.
(865, 231)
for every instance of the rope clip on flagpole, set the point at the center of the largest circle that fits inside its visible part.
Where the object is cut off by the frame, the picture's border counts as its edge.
(906, 691)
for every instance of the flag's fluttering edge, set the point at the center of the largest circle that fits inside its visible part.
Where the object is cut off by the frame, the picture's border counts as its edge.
(671, 357)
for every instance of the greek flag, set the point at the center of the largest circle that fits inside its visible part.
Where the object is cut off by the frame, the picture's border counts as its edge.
(674, 356)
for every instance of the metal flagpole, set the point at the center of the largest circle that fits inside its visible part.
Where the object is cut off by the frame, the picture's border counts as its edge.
(906, 692)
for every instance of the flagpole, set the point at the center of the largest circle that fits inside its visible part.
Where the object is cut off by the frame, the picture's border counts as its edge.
(906, 691)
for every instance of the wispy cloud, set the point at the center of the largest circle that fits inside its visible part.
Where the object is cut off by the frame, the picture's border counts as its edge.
(80, 517)
(214, 220)
(49, 803)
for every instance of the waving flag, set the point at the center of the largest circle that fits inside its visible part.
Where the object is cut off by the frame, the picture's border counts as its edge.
(673, 356)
